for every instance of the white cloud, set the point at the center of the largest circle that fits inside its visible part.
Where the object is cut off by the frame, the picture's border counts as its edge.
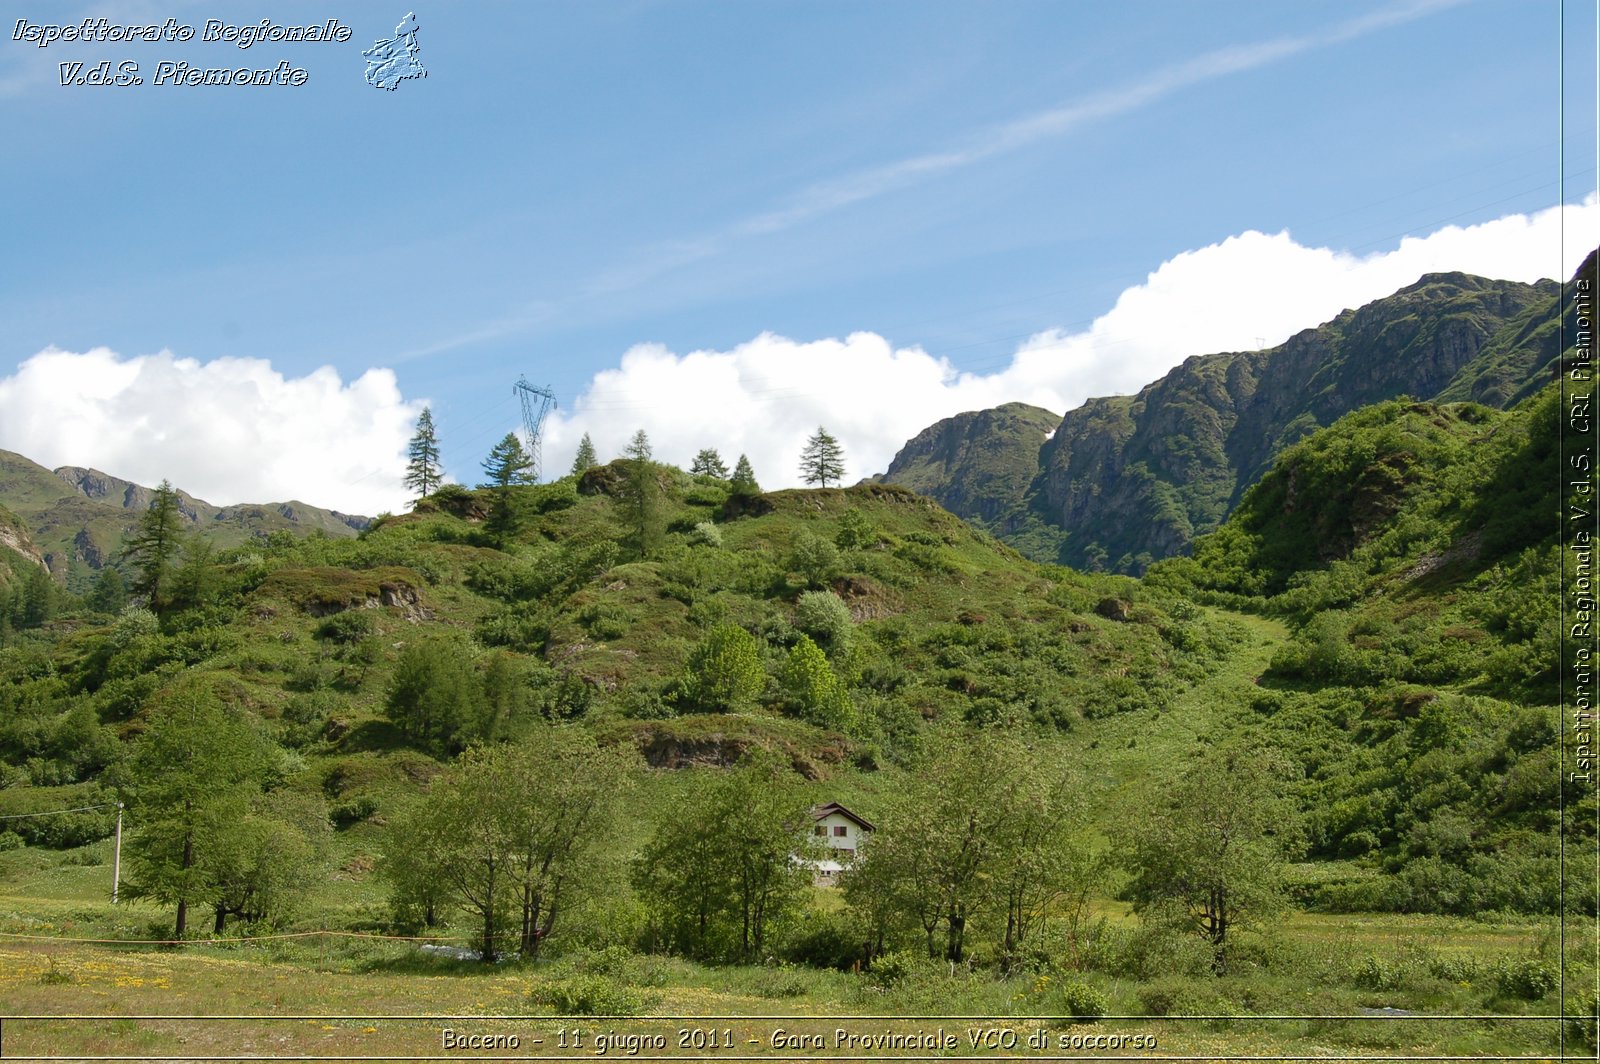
(1251, 290)
(227, 431)
(237, 430)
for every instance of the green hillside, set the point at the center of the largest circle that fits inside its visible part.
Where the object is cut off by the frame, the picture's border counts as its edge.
(1124, 481)
(1349, 683)
(78, 518)
(1412, 549)
(975, 464)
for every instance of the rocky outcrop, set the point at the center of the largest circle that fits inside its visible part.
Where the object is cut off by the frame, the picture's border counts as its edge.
(15, 538)
(85, 550)
(1128, 480)
(1137, 479)
(978, 465)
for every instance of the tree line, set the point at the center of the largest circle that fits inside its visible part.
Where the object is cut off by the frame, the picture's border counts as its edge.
(509, 463)
(984, 837)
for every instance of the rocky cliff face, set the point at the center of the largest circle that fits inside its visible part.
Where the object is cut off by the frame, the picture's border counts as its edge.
(1128, 480)
(1133, 489)
(1138, 488)
(14, 537)
(93, 484)
(978, 464)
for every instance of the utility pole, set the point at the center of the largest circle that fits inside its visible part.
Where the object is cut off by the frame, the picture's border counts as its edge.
(116, 857)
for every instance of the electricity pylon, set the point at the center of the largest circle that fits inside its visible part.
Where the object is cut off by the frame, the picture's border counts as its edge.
(536, 403)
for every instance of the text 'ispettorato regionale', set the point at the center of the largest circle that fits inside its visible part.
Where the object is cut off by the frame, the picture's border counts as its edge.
(178, 72)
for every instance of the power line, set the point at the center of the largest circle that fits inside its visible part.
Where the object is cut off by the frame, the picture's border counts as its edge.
(58, 812)
(785, 392)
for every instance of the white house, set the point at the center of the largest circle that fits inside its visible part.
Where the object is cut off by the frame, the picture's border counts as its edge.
(842, 833)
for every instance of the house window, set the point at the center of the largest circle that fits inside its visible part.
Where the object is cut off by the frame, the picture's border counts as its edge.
(819, 830)
(839, 831)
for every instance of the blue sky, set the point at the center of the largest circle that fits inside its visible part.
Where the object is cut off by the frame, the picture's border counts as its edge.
(606, 188)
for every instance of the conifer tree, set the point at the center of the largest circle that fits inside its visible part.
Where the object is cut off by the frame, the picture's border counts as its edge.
(508, 464)
(585, 458)
(822, 460)
(744, 478)
(193, 773)
(154, 545)
(641, 495)
(709, 463)
(638, 449)
(110, 592)
(423, 474)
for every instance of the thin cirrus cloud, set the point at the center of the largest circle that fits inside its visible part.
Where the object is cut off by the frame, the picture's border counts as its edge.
(823, 198)
(765, 396)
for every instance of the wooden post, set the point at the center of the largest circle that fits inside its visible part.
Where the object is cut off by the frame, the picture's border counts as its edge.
(116, 858)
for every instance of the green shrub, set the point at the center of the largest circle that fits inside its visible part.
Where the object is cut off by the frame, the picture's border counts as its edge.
(1172, 996)
(706, 534)
(605, 620)
(1581, 1015)
(824, 616)
(589, 995)
(548, 498)
(1455, 969)
(1082, 1001)
(522, 627)
(897, 967)
(353, 810)
(781, 982)
(824, 940)
(1527, 978)
(613, 961)
(815, 559)
(349, 626)
(1378, 973)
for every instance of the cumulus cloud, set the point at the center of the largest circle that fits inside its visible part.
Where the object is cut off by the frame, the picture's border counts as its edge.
(765, 396)
(228, 431)
(236, 430)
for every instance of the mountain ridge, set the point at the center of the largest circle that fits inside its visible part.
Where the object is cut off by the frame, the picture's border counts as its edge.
(1124, 481)
(77, 516)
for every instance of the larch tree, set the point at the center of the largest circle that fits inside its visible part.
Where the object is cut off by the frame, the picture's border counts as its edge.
(423, 472)
(585, 458)
(743, 481)
(154, 547)
(641, 495)
(822, 460)
(193, 776)
(709, 463)
(508, 464)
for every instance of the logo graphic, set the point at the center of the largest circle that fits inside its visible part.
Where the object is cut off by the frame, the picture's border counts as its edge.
(393, 61)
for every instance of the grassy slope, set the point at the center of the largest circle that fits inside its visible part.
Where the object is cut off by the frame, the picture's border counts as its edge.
(950, 623)
(69, 525)
(1411, 549)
